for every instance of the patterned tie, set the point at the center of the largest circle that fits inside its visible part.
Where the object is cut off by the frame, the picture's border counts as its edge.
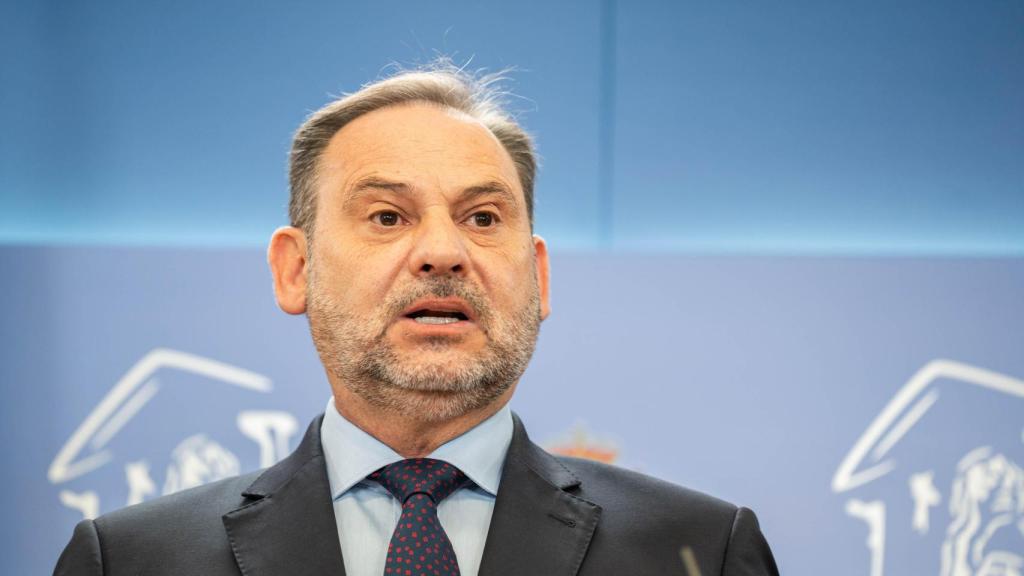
(419, 546)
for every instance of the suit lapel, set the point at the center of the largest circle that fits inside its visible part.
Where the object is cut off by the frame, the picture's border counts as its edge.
(287, 525)
(538, 526)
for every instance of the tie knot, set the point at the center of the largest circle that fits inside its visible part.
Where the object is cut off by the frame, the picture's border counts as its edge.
(434, 478)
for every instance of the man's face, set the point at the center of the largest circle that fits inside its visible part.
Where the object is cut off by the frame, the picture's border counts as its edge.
(424, 286)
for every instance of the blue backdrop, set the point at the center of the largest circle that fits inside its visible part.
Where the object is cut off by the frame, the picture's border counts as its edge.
(795, 126)
(788, 267)
(754, 378)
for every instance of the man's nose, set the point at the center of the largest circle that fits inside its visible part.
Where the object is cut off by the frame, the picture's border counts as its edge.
(439, 247)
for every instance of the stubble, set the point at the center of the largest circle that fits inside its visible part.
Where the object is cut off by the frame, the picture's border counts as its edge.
(356, 352)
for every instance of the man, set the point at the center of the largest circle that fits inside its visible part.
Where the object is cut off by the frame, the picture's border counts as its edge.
(411, 252)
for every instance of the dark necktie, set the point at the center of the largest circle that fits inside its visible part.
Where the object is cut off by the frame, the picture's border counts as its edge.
(419, 545)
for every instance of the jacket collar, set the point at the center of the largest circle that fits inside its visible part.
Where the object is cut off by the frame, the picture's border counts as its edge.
(287, 524)
(538, 526)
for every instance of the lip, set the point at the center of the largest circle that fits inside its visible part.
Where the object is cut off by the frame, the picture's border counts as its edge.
(441, 305)
(414, 329)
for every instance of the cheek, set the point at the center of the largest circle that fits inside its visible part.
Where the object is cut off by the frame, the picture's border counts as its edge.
(512, 284)
(362, 277)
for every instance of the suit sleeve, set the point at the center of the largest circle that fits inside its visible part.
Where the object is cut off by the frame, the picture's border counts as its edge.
(82, 556)
(747, 553)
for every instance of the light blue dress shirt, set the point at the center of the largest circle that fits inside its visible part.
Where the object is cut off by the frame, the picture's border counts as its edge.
(367, 513)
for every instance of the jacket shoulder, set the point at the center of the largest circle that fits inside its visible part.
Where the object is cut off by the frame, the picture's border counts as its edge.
(645, 520)
(181, 529)
(192, 505)
(613, 487)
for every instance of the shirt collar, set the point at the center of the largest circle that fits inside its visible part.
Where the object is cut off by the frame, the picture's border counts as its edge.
(352, 454)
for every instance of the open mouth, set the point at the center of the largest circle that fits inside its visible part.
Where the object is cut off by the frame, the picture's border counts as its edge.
(439, 311)
(436, 317)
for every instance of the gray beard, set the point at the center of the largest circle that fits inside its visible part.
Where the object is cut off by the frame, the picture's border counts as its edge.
(356, 353)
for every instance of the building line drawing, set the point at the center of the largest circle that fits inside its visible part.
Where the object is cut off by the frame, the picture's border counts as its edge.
(896, 419)
(133, 391)
(987, 492)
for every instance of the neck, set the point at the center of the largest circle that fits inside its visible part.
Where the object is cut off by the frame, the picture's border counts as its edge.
(409, 436)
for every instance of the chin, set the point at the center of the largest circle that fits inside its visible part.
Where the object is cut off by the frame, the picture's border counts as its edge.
(438, 359)
(437, 378)
(438, 406)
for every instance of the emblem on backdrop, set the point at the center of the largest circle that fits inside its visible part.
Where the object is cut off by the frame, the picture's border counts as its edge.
(580, 443)
(937, 478)
(174, 421)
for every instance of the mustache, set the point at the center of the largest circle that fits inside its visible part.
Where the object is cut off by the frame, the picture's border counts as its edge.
(441, 287)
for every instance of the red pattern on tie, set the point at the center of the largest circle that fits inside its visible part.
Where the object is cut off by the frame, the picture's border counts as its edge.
(419, 546)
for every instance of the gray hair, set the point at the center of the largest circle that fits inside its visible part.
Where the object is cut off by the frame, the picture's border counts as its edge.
(442, 84)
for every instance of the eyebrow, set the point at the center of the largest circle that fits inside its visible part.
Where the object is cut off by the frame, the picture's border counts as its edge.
(370, 183)
(492, 187)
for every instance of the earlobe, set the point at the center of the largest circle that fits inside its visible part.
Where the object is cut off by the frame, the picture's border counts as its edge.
(540, 254)
(287, 258)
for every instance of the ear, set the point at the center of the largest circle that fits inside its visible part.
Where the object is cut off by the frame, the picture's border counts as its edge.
(287, 258)
(540, 254)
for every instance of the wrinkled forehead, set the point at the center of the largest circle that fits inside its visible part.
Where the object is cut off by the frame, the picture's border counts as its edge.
(422, 143)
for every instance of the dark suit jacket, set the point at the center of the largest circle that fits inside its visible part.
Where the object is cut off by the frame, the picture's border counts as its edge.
(553, 517)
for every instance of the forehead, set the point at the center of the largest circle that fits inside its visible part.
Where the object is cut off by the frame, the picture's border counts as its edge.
(420, 143)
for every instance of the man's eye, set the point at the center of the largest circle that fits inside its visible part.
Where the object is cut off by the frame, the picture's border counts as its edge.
(387, 218)
(483, 219)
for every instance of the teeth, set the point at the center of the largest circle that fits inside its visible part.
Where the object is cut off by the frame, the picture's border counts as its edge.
(435, 320)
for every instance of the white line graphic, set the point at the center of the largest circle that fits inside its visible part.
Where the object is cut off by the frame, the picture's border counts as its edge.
(847, 476)
(126, 398)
